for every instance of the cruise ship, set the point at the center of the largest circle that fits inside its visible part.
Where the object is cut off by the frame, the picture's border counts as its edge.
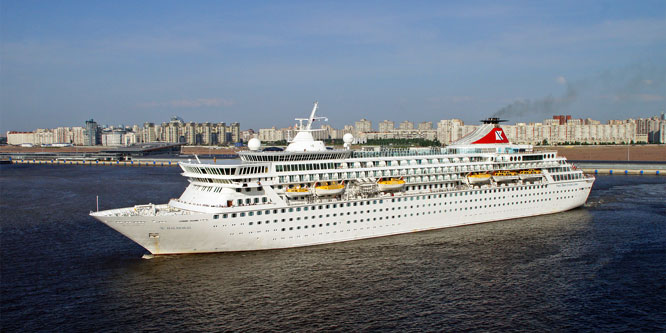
(310, 194)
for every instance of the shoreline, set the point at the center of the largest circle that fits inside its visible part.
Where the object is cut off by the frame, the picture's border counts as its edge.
(589, 167)
(609, 159)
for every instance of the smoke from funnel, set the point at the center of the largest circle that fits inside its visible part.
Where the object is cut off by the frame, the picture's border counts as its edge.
(611, 90)
(547, 105)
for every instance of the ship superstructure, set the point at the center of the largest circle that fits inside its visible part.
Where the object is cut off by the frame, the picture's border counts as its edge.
(309, 194)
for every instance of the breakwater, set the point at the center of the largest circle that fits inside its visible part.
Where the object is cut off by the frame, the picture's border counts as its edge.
(622, 168)
(624, 171)
(153, 163)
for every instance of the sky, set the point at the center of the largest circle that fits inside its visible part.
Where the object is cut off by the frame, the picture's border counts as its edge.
(263, 63)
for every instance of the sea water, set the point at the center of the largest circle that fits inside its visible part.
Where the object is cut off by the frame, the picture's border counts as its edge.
(599, 267)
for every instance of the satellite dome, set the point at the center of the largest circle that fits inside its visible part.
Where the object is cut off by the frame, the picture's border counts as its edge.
(254, 144)
(348, 138)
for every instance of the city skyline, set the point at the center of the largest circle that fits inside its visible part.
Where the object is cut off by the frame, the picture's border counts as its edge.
(266, 63)
(558, 129)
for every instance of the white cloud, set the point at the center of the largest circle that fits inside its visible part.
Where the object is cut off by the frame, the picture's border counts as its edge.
(561, 80)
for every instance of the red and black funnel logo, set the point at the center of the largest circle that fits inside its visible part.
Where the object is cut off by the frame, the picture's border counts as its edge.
(496, 135)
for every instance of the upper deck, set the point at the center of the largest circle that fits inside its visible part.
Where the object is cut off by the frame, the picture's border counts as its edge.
(289, 156)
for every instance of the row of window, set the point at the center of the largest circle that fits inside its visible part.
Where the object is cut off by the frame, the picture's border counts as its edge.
(309, 156)
(559, 169)
(381, 201)
(211, 171)
(342, 175)
(245, 170)
(306, 167)
(325, 166)
(380, 218)
(384, 172)
(569, 176)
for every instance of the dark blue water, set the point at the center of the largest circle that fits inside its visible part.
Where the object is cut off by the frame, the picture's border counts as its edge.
(601, 267)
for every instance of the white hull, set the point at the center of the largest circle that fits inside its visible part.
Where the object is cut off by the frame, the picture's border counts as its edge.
(201, 232)
(244, 207)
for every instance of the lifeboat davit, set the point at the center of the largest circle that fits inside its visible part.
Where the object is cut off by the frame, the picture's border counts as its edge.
(478, 178)
(329, 188)
(393, 184)
(297, 192)
(503, 176)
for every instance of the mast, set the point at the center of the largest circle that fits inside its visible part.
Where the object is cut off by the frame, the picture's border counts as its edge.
(311, 120)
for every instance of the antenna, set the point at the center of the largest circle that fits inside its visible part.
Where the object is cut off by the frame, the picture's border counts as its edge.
(310, 120)
(197, 157)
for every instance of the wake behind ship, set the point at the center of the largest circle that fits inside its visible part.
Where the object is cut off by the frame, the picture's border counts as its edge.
(309, 195)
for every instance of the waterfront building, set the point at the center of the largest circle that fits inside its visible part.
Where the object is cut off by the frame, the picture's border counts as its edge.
(91, 134)
(173, 131)
(363, 126)
(552, 132)
(113, 138)
(148, 133)
(559, 129)
(271, 134)
(232, 133)
(20, 138)
(386, 126)
(43, 137)
(62, 135)
(649, 129)
(219, 133)
(130, 138)
(451, 130)
(78, 135)
(191, 133)
(247, 135)
(406, 125)
(562, 119)
(425, 126)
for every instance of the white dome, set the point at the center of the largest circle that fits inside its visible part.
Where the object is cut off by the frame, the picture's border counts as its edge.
(348, 138)
(254, 144)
